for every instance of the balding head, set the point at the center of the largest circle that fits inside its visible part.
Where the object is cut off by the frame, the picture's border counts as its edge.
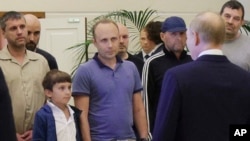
(206, 31)
(124, 40)
(122, 28)
(210, 26)
(34, 28)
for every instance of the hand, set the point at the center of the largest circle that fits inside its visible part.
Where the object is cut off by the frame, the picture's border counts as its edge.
(19, 137)
(27, 136)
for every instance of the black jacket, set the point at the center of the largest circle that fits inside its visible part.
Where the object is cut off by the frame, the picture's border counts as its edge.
(7, 126)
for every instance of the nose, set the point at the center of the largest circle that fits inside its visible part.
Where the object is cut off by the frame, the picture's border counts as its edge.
(31, 37)
(121, 40)
(230, 20)
(19, 30)
(178, 36)
(109, 43)
(68, 91)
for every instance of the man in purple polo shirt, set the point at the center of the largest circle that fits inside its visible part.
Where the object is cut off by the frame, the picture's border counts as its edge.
(108, 91)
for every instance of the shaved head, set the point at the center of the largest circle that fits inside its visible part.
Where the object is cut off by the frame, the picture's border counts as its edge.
(32, 20)
(124, 40)
(34, 28)
(122, 28)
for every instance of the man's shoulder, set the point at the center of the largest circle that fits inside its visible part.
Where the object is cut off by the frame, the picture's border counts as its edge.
(89, 65)
(4, 53)
(245, 37)
(38, 50)
(44, 53)
(139, 54)
(156, 57)
(242, 39)
(158, 48)
(36, 57)
(33, 55)
(135, 59)
(128, 62)
(132, 65)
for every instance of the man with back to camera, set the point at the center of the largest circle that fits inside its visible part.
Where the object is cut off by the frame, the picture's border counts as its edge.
(237, 45)
(34, 31)
(173, 35)
(201, 99)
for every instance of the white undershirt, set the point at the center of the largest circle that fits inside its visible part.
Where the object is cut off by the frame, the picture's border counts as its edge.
(65, 129)
(211, 52)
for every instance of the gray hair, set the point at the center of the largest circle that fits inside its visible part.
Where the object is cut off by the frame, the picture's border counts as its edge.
(7, 16)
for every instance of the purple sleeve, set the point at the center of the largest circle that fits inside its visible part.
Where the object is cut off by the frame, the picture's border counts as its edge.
(80, 83)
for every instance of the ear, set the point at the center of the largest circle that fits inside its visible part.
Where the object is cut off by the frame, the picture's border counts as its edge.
(48, 93)
(162, 36)
(2, 32)
(196, 38)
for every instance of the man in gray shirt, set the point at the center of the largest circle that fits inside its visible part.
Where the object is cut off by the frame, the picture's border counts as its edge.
(237, 45)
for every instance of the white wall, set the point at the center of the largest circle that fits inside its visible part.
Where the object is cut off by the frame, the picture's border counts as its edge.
(92, 8)
(246, 4)
(185, 8)
(107, 5)
(87, 7)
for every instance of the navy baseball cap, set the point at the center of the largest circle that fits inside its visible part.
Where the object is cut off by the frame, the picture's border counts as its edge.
(173, 24)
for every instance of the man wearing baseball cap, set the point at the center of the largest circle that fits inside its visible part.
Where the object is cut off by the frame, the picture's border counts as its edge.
(173, 35)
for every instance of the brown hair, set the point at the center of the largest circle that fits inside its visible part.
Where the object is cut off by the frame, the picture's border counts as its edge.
(53, 77)
(9, 15)
(153, 29)
(233, 4)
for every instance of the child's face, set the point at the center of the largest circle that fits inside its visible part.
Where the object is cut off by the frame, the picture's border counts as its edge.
(61, 94)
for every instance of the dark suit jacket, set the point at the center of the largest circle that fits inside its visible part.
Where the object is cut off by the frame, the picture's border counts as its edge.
(201, 99)
(51, 59)
(7, 127)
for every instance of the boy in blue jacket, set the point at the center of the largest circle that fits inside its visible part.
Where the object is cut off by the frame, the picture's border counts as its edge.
(56, 120)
